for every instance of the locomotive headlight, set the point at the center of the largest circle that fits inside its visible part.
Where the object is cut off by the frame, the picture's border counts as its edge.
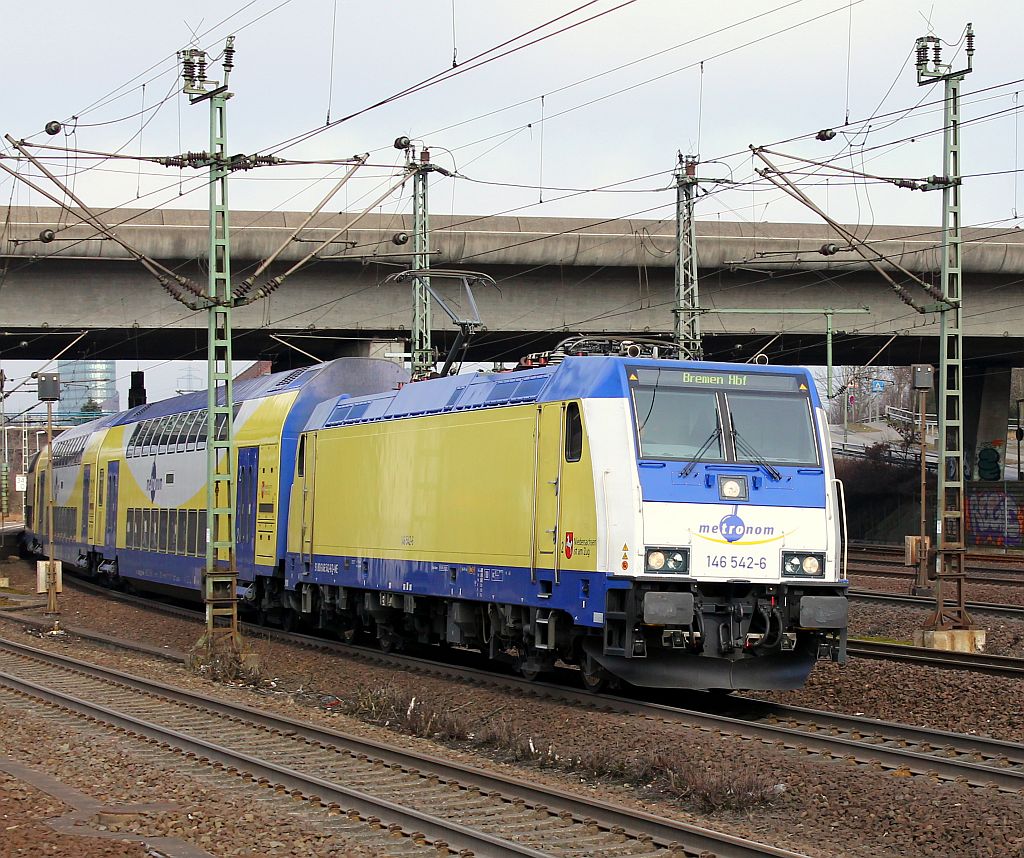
(676, 560)
(731, 489)
(801, 564)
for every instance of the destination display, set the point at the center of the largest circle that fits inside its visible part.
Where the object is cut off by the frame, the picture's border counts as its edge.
(723, 380)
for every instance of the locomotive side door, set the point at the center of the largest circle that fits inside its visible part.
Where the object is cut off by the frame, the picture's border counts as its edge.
(245, 507)
(110, 530)
(547, 485)
(86, 501)
(307, 474)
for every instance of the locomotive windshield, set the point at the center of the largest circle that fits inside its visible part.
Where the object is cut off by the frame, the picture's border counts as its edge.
(678, 424)
(775, 427)
(723, 416)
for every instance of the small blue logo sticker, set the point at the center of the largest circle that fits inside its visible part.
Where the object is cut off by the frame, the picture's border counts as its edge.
(153, 484)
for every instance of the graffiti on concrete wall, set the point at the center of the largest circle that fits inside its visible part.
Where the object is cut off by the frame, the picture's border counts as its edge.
(995, 515)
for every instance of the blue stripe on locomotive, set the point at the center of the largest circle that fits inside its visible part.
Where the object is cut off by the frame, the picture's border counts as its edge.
(488, 583)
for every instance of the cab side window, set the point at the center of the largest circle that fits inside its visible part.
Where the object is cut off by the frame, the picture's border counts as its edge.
(573, 433)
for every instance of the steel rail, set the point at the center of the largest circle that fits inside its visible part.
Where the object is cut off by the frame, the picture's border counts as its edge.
(1009, 556)
(976, 561)
(927, 602)
(979, 662)
(695, 839)
(885, 569)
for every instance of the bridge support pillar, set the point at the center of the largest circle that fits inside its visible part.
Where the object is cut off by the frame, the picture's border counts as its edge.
(986, 416)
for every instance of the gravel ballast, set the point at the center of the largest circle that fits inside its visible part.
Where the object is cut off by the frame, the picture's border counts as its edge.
(820, 807)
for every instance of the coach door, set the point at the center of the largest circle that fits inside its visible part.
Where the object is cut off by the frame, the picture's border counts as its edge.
(86, 501)
(110, 529)
(307, 475)
(41, 500)
(245, 507)
(547, 486)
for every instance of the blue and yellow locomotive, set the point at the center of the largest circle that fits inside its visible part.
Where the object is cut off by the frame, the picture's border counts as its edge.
(666, 523)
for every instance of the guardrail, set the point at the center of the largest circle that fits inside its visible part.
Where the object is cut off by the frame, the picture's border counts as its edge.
(931, 424)
(889, 455)
(904, 415)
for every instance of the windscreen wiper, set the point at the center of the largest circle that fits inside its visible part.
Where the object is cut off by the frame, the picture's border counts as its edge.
(750, 453)
(714, 436)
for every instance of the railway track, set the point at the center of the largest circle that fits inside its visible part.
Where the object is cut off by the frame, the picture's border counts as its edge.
(927, 602)
(892, 569)
(407, 792)
(886, 561)
(978, 662)
(865, 741)
(1013, 558)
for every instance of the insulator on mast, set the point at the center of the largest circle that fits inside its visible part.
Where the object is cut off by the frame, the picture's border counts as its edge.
(922, 53)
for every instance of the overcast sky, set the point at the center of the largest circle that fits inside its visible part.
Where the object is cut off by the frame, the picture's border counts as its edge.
(609, 100)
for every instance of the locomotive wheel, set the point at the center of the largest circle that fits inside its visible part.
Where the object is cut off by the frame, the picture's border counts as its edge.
(530, 673)
(594, 677)
(529, 667)
(389, 642)
(289, 620)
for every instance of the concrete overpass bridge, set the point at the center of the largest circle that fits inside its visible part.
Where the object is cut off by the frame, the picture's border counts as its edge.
(556, 276)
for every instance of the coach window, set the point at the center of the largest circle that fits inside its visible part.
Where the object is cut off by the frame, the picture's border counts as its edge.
(149, 442)
(181, 432)
(133, 440)
(573, 433)
(193, 430)
(199, 429)
(177, 439)
(300, 459)
(160, 437)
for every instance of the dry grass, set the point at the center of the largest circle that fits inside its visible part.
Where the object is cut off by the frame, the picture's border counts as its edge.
(709, 787)
(390, 705)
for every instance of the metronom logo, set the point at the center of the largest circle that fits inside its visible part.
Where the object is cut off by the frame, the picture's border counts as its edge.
(733, 528)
